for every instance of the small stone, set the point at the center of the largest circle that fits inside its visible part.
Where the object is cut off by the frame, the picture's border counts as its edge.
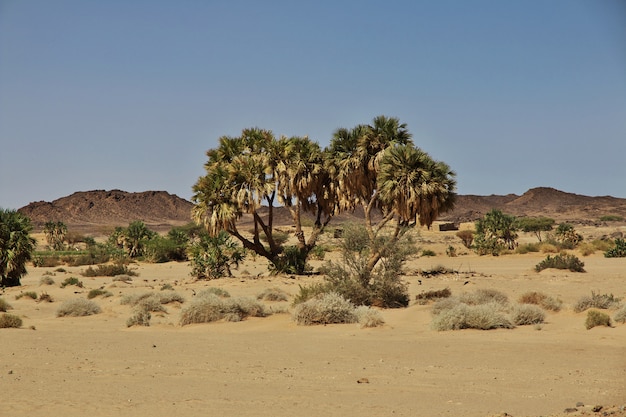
(363, 381)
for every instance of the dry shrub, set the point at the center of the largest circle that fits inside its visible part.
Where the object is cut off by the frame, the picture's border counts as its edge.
(444, 304)
(151, 300)
(30, 294)
(122, 278)
(10, 321)
(72, 281)
(525, 314)
(328, 309)
(484, 296)
(210, 308)
(215, 291)
(464, 316)
(425, 297)
(620, 316)
(586, 249)
(97, 292)
(548, 248)
(273, 294)
(140, 318)
(44, 296)
(602, 301)
(544, 301)
(46, 281)
(368, 317)
(4, 305)
(597, 318)
(78, 307)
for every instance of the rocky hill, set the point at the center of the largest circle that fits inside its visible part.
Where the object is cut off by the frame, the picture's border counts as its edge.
(91, 209)
(160, 210)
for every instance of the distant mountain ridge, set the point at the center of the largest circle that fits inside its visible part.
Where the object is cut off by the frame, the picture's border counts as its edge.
(162, 210)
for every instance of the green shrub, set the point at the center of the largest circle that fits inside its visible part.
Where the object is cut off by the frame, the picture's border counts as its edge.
(310, 291)
(72, 281)
(167, 287)
(597, 318)
(8, 321)
(330, 308)
(46, 261)
(428, 252)
(619, 251)
(97, 292)
(463, 316)
(108, 270)
(318, 252)
(213, 257)
(78, 307)
(140, 318)
(291, 261)
(29, 294)
(611, 218)
(526, 314)
(544, 301)
(425, 297)
(561, 261)
(620, 316)
(273, 294)
(210, 308)
(602, 301)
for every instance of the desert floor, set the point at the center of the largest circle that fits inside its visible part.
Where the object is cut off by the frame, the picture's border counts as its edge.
(97, 366)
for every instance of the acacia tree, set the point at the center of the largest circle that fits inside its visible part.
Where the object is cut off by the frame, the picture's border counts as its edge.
(377, 166)
(252, 174)
(16, 246)
(535, 225)
(55, 234)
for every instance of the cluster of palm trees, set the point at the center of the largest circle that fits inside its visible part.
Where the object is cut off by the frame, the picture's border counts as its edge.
(376, 167)
(16, 246)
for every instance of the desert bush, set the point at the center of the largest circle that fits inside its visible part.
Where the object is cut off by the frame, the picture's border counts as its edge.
(152, 301)
(44, 296)
(561, 261)
(548, 247)
(215, 291)
(8, 321)
(467, 237)
(273, 294)
(318, 252)
(108, 270)
(46, 261)
(463, 316)
(618, 251)
(495, 232)
(424, 297)
(535, 225)
(210, 308)
(586, 249)
(451, 251)
(78, 307)
(435, 271)
(167, 287)
(528, 248)
(444, 304)
(602, 245)
(122, 278)
(620, 316)
(611, 218)
(291, 261)
(525, 314)
(29, 294)
(602, 301)
(213, 257)
(161, 249)
(368, 317)
(329, 308)
(484, 296)
(46, 281)
(597, 318)
(544, 301)
(72, 281)
(428, 252)
(140, 318)
(4, 305)
(97, 292)
(310, 291)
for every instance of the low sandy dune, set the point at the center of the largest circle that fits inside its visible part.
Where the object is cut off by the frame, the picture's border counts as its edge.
(97, 366)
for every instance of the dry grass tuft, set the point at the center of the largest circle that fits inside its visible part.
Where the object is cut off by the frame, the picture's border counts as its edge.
(597, 318)
(78, 307)
(425, 297)
(602, 301)
(544, 301)
(620, 316)
(140, 318)
(209, 308)
(368, 317)
(46, 281)
(464, 316)
(484, 296)
(10, 321)
(330, 308)
(273, 294)
(215, 291)
(4, 305)
(525, 314)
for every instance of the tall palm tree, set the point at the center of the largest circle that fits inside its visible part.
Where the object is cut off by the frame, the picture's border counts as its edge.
(55, 234)
(16, 246)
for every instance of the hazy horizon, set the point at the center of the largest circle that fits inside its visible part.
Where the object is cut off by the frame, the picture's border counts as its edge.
(130, 95)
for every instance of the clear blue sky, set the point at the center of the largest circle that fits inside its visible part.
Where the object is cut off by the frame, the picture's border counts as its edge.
(130, 94)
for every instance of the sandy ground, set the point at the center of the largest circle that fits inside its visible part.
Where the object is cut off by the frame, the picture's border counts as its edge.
(96, 366)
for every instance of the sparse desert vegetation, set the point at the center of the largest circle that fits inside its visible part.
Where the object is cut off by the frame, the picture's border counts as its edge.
(10, 321)
(78, 307)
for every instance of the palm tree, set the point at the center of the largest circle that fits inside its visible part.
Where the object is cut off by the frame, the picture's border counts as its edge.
(16, 246)
(253, 171)
(55, 234)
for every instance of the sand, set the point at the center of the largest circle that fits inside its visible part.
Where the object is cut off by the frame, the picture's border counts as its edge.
(97, 366)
